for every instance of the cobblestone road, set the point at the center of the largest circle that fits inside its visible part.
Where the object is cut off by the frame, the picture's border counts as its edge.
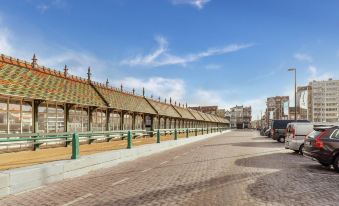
(236, 168)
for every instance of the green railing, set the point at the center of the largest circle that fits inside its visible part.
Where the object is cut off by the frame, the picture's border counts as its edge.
(37, 139)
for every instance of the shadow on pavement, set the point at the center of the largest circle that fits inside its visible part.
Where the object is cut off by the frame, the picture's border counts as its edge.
(299, 181)
(180, 191)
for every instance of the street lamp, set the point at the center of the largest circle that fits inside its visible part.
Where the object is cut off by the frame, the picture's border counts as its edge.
(295, 91)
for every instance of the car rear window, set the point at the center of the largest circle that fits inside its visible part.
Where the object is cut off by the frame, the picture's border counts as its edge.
(315, 134)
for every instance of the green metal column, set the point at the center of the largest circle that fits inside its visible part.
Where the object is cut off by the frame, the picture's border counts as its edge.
(207, 130)
(202, 130)
(75, 146)
(175, 134)
(129, 139)
(158, 136)
(196, 131)
(187, 132)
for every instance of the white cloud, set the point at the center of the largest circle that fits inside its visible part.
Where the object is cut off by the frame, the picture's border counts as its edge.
(5, 39)
(43, 7)
(49, 4)
(314, 74)
(161, 56)
(156, 86)
(303, 57)
(213, 67)
(199, 4)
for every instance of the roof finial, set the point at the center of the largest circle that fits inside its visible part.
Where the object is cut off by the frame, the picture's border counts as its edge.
(170, 100)
(34, 61)
(133, 90)
(186, 104)
(89, 74)
(179, 104)
(175, 103)
(143, 91)
(121, 87)
(151, 96)
(159, 98)
(165, 100)
(65, 71)
(107, 82)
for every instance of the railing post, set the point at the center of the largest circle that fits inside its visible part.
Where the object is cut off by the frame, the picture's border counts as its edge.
(175, 134)
(75, 146)
(129, 139)
(36, 146)
(187, 131)
(158, 136)
(196, 132)
(202, 131)
(207, 130)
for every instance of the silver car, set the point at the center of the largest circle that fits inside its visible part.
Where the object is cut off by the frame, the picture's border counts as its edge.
(295, 135)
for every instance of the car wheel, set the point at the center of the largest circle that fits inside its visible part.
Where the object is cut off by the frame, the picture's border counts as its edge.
(336, 163)
(324, 164)
(301, 149)
(281, 139)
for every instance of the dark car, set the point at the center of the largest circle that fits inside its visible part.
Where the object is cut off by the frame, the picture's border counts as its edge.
(323, 145)
(278, 131)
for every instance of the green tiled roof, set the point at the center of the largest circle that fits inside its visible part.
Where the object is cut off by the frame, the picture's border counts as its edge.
(196, 114)
(46, 85)
(124, 101)
(205, 116)
(164, 109)
(184, 112)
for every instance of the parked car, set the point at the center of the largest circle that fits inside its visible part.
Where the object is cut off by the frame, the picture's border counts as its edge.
(278, 131)
(263, 130)
(268, 133)
(323, 145)
(295, 135)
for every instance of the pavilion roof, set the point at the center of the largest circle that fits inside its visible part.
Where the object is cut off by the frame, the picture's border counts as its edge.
(19, 78)
(164, 109)
(123, 100)
(184, 112)
(196, 114)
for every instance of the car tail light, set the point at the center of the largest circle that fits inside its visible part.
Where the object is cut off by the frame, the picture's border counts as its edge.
(318, 142)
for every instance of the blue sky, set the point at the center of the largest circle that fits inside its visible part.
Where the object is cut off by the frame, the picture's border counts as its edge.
(204, 52)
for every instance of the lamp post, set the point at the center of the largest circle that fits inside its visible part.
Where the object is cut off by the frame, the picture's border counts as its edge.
(295, 91)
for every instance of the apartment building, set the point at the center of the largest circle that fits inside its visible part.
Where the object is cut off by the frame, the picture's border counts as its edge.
(277, 108)
(240, 117)
(325, 101)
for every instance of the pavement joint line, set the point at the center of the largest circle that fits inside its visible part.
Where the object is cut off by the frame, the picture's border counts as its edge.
(163, 162)
(78, 199)
(146, 170)
(120, 181)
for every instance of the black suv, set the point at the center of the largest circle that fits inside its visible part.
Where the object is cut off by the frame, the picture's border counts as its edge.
(323, 145)
(278, 131)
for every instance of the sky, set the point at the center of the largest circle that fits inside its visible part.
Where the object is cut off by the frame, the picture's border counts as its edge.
(203, 52)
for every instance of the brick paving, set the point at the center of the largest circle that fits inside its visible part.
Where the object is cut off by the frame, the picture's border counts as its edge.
(236, 168)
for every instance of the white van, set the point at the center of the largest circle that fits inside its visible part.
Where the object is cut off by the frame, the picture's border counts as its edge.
(295, 135)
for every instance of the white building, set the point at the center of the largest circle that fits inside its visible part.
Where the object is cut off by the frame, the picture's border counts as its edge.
(325, 104)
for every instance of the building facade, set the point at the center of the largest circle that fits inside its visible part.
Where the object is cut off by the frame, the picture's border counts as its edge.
(325, 101)
(275, 107)
(240, 117)
(211, 110)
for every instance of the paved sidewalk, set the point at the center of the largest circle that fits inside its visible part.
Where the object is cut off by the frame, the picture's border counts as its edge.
(236, 168)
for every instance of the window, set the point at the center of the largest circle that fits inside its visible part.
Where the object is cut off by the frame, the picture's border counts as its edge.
(335, 134)
(127, 122)
(14, 116)
(139, 122)
(114, 121)
(50, 118)
(78, 119)
(3, 116)
(99, 120)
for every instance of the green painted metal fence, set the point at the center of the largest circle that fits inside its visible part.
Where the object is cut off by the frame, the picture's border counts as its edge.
(37, 139)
